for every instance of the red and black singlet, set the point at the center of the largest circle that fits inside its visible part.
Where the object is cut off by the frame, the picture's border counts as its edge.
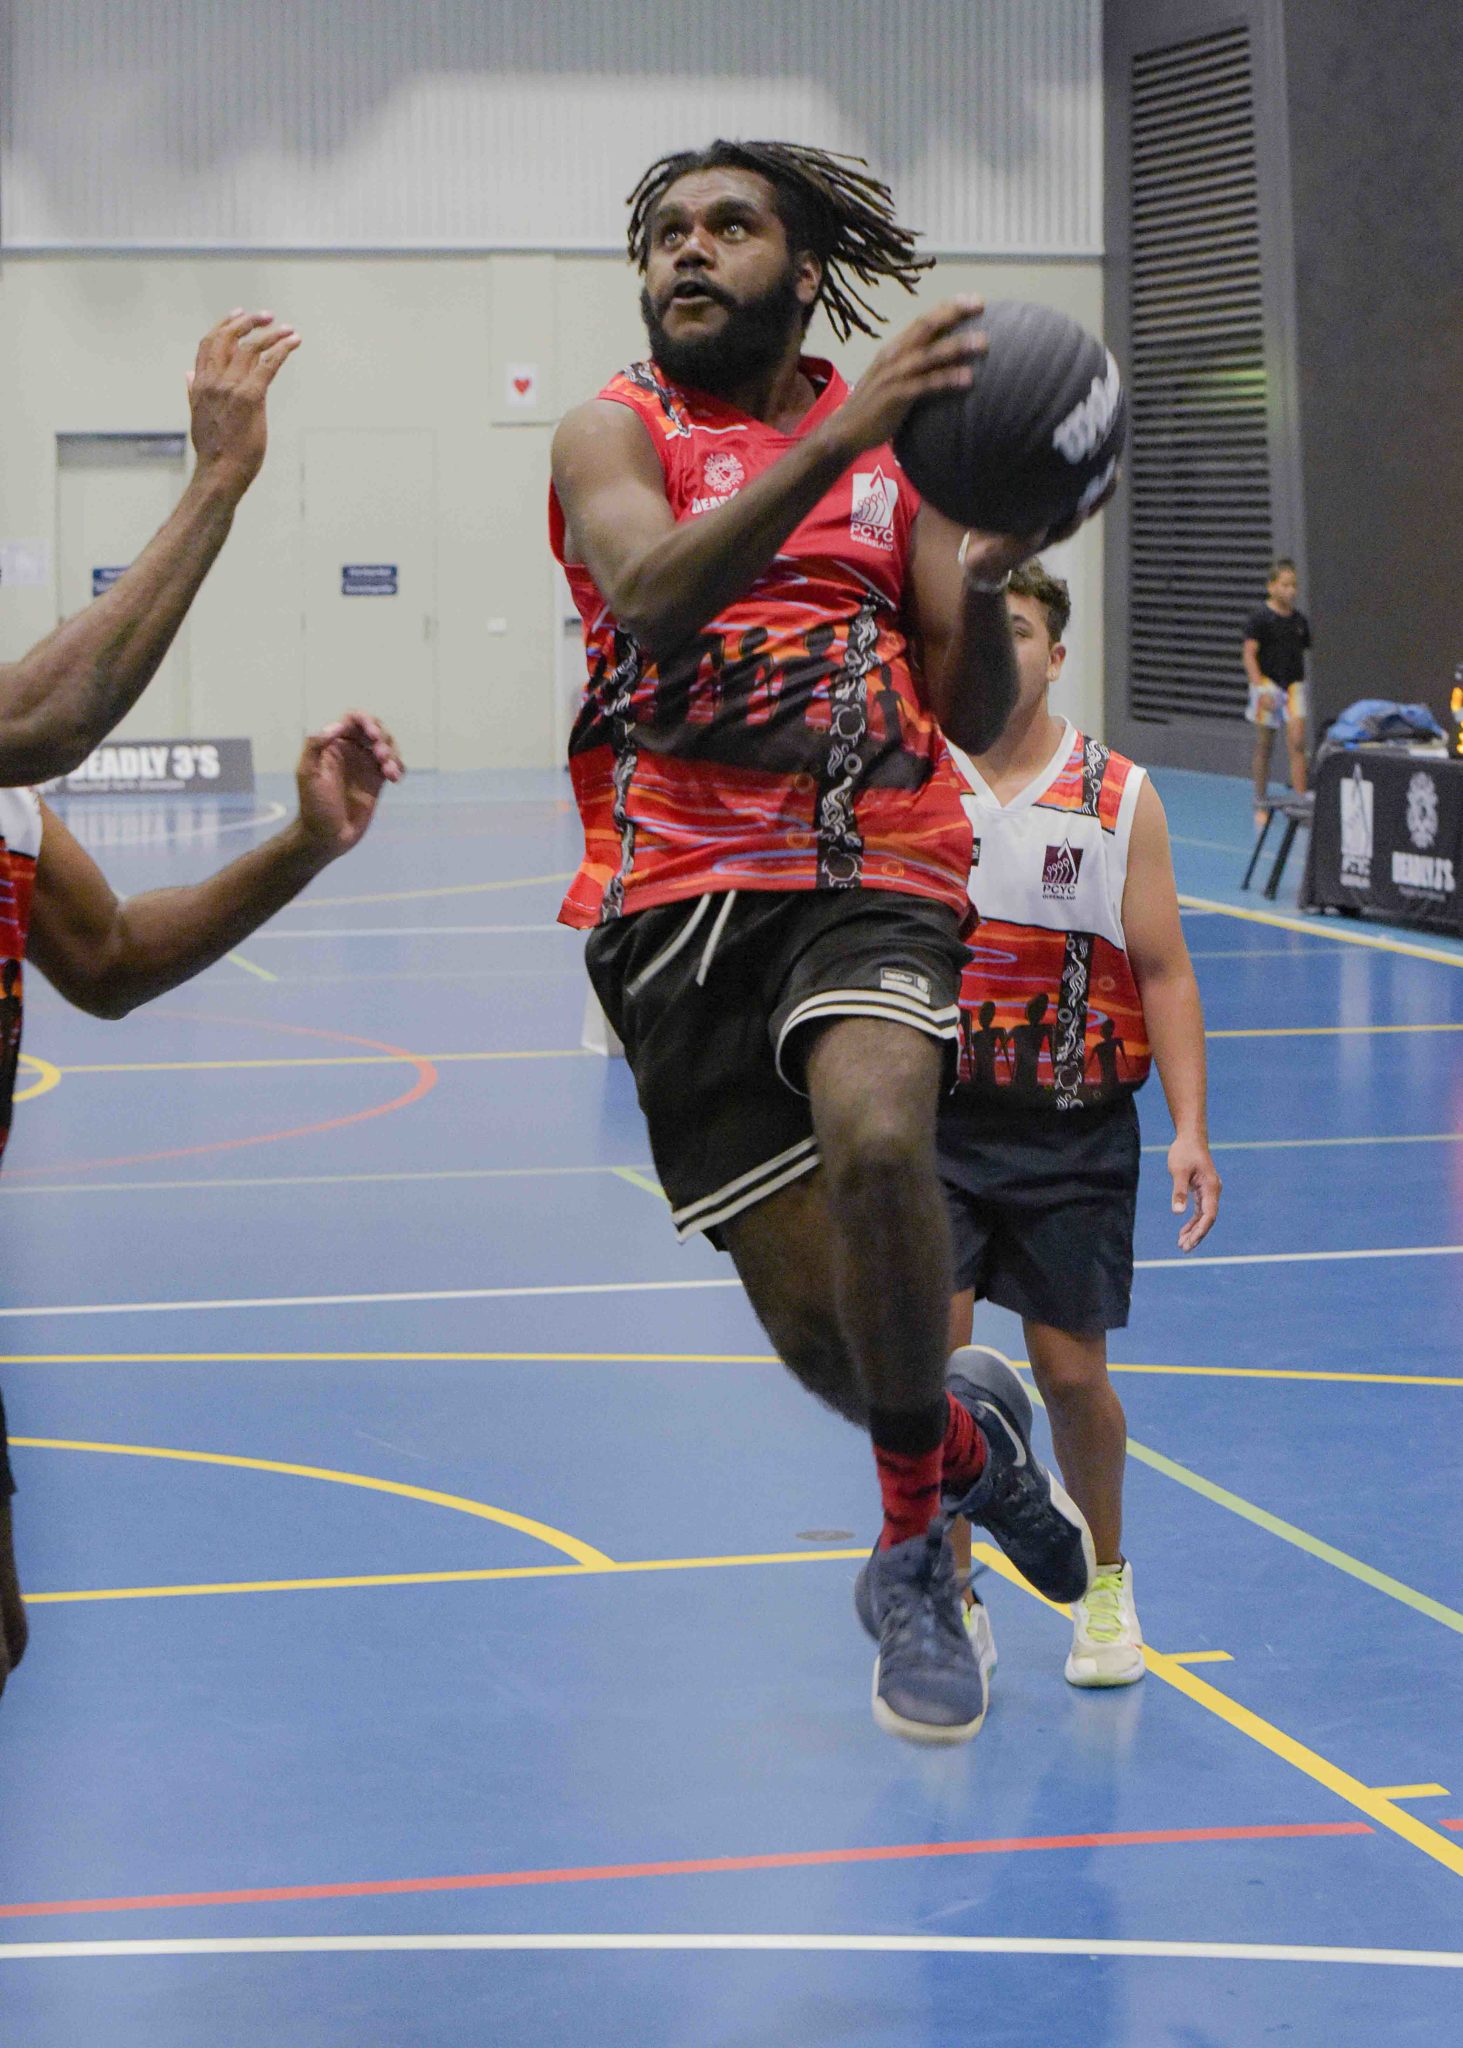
(789, 746)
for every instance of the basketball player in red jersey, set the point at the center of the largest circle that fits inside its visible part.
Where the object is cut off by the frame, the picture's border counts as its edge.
(775, 850)
(107, 957)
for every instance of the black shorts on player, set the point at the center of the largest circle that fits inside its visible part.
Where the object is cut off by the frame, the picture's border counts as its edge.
(7, 1477)
(715, 998)
(1042, 1203)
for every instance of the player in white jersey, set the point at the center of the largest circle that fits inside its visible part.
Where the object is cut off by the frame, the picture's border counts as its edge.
(1079, 978)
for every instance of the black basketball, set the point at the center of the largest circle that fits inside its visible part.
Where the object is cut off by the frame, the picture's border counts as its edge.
(1034, 442)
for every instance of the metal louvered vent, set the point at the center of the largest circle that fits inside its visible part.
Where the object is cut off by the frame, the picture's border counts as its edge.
(1198, 463)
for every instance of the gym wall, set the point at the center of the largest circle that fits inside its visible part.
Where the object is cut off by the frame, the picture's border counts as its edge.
(1284, 279)
(433, 195)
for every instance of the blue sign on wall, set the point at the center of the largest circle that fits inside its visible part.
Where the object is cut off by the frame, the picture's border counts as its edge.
(103, 579)
(368, 579)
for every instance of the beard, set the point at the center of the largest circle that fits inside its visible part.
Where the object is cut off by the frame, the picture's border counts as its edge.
(752, 341)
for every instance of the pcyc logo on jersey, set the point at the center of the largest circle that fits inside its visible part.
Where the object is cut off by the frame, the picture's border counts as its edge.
(1060, 870)
(874, 499)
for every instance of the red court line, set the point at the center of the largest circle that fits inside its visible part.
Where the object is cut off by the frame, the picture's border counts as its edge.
(1455, 1825)
(798, 1859)
(426, 1079)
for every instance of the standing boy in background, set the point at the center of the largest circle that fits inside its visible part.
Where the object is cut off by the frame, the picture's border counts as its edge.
(1274, 654)
(1080, 949)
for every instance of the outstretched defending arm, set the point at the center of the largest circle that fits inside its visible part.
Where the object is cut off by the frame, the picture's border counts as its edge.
(108, 956)
(665, 581)
(1172, 1012)
(61, 699)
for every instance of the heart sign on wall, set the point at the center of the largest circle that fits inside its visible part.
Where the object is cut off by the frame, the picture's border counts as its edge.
(520, 391)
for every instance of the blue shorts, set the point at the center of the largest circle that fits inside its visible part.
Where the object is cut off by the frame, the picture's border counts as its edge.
(1042, 1204)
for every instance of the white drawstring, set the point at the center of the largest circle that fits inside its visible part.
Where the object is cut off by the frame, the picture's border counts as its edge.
(668, 953)
(716, 930)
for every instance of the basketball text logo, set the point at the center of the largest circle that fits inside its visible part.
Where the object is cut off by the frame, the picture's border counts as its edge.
(874, 499)
(1060, 870)
(1087, 423)
(1356, 830)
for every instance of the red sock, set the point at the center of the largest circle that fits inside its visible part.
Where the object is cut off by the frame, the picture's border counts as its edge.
(911, 1490)
(964, 1448)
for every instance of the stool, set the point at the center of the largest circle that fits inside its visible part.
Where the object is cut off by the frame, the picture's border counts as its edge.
(1296, 810)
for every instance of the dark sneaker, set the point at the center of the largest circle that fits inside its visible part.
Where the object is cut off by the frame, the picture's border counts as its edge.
(1039, 1527)
(928, 1685)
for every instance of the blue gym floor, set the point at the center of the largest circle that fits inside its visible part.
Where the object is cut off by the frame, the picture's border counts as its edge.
(441, 1602)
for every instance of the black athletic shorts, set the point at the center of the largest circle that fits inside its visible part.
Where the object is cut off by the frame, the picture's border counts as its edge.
(715, 998)
(1042, 1203)
(7, 1477)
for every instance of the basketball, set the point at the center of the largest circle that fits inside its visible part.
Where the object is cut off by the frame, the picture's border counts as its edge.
(1034, 442)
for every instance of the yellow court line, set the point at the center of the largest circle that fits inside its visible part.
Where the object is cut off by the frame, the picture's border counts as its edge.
(46, 1079)
(1375, 1805)
(582, 1553)
(1283, 1372)
(251, 967)
(574, 1051)
(1412, 1791)
(414, 895)
(1328, 930)
(1218, 1372)
(345, 1059)
(459, 1578)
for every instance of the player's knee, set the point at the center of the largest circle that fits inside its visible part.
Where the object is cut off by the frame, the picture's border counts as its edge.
(1073, 1376)
(881, 1165)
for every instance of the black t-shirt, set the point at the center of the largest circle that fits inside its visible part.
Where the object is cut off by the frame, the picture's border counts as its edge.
(1283, 643)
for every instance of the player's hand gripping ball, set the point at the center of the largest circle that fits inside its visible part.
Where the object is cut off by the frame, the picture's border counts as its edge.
(1032, 445)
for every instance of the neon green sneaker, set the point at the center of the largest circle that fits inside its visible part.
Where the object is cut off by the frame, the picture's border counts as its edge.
(1107, 1643)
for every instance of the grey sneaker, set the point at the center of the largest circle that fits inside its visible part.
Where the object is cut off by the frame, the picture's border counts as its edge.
(1039, 1527)
(928, 1685)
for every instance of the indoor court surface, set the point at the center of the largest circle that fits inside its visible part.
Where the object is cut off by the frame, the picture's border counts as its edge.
(441, 1615)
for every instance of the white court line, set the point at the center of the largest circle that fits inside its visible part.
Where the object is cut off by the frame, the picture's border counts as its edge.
(134, 1308)
(1391, 1251)
(342, 1180)
(26, 1190)
(762, 1944)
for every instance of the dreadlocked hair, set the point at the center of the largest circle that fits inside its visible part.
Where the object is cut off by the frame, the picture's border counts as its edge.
(828, 204)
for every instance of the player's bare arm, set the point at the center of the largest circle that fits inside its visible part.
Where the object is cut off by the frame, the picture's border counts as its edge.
(107, 956)
(959, 620)
(63, 697)
(665, 581)
(1172, 1012)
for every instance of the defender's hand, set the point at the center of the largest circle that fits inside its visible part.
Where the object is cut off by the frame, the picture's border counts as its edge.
(987, 557)
(237, 362)
(1194, 1173)
(340, 776)
(929, 356)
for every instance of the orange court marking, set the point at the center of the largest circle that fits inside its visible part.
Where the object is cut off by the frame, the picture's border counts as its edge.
(797, 1859)
(426, 1080)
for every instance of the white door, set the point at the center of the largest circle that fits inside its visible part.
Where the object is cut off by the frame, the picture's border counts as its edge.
(371, 582)
(113, 492)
